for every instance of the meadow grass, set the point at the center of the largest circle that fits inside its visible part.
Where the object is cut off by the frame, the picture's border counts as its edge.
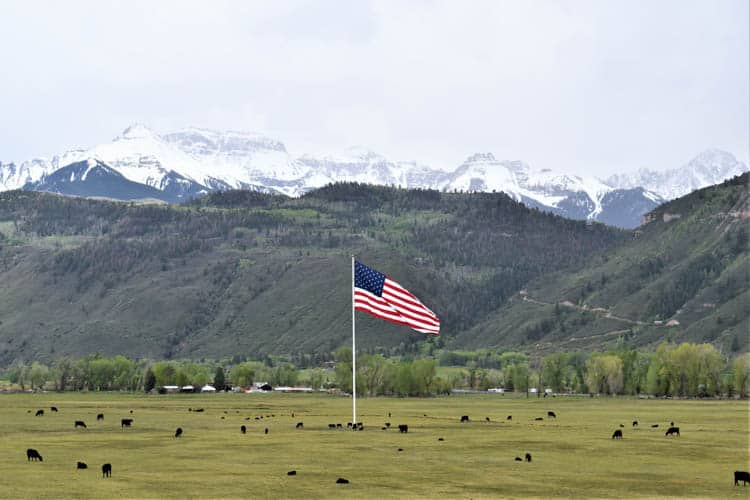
(573, 455)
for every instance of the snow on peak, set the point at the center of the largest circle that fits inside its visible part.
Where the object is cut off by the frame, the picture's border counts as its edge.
(136, 131)
(709, 167)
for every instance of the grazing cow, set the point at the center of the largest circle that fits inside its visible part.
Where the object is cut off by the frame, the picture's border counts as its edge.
(509, 417)
(403, 428)
(106, 470)
(400, 449)
(291, 473)
(635, 423)
(197, 410)
(539, 418)
(551, 414)
(341, 480)
(389, 414)
(348, 425)
(100, 417)
(387, 424)
(671, 424)
(528, 457)
(222, 418)
(741, 475)
(300, 425)
(131, 411)
(519, 459)
(292, 414)
(79, 423)
(384, 428)
(53, 408)
(441, 439)
(243, 429)
(331, 426)
(178, 432)
(33, 455)
(39, 413)
(622, 426)
(338, 426)
(487, 419)
(361, 426)
(654, 426)
(81, 465)
(617, 434)
(266, 431)
(672, 430)
(126, 422)
(464, 418)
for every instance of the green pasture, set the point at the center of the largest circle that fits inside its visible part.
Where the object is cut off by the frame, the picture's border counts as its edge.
(573, 455)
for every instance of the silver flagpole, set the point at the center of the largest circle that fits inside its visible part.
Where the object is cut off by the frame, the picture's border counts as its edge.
(354, 360)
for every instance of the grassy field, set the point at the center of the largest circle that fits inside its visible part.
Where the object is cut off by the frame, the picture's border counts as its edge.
(573, 455)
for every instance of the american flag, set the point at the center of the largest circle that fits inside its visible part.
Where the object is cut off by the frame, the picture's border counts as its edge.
(382, 297)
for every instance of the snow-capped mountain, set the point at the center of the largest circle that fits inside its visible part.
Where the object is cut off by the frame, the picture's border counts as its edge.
(190, 162)
(709, 167)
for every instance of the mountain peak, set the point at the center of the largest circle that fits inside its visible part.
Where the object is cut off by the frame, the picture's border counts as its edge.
(136, 131)
(480, 158)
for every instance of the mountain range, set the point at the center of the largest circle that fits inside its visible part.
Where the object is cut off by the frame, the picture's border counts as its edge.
(181, 165)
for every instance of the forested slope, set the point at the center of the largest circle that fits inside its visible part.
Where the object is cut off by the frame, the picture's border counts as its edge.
(251, 274)
(684, 275)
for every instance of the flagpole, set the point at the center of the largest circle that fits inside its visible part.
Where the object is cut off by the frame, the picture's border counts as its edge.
(354, 360)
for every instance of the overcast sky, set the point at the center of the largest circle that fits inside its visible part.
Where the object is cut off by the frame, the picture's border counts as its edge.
(591, 87)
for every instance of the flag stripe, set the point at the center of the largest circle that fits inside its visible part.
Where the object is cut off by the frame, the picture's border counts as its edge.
(372, 304)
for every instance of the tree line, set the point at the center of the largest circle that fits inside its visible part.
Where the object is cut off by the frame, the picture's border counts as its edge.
(685, 370)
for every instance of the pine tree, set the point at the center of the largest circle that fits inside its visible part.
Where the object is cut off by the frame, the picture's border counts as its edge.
(149, 381)
(219, 379)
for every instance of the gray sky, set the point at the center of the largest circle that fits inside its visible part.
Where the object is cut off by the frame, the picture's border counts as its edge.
(591, 87)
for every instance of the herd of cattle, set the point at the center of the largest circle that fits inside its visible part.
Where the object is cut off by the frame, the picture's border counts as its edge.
(33, 455)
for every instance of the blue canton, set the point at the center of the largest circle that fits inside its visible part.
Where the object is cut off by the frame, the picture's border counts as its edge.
(368, 279)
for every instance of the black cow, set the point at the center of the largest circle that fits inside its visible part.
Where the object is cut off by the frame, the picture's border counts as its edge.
(338, 426)
(539, 419)
(79, 423)
(654, 426)
(178, 432)
(622, 426)
(53, 408)
(400, 449)
(487, 419)
(528, 457)
(81, 465)
(331, 426)
(635, 423)
(291, 473)
(551, 414)
(403, 428)
(441, 439)
(617, 434)
(509, 417)
(672, 430)
(99, 417)
(341, 480)
(387, 424)
(519, 459)
(266, 431)
(243, 429)
(126, 422)
(106, 470)
(33, 455)
(741, 475)
(300, 425)
(348, 425)
(39, 413)
(361, 426)
(464, 418)
(199, 410)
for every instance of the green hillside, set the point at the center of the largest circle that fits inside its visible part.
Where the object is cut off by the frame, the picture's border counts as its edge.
(247, 274)
(683, 275)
